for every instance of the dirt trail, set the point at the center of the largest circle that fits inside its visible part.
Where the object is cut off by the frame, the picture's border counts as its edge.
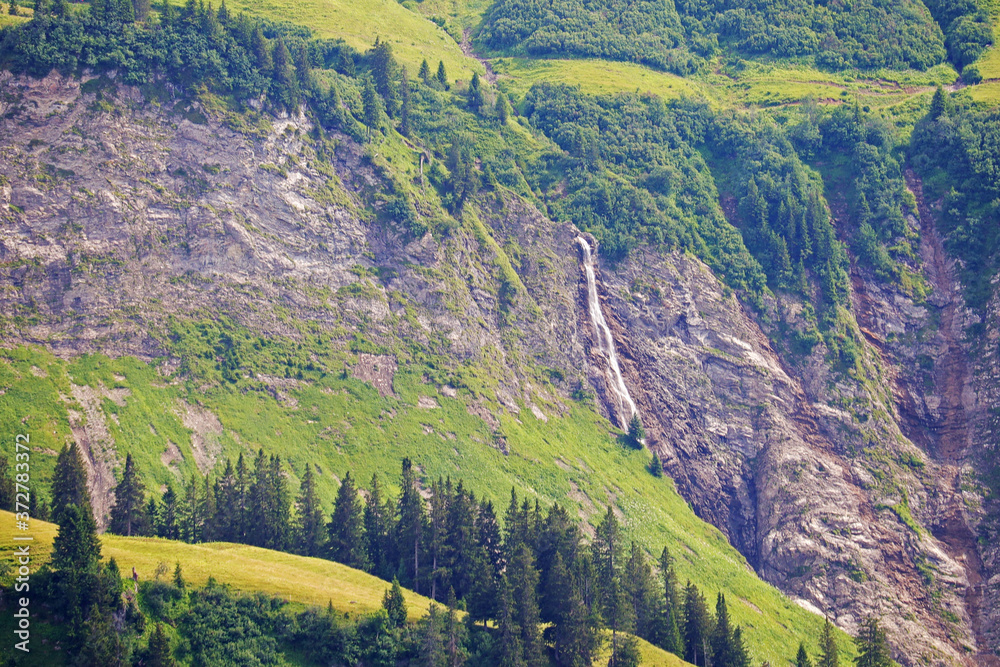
(949, 436)
(466, 46)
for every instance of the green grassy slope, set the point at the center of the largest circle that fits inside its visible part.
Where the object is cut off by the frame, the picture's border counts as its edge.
(343, 424)
(297, 579)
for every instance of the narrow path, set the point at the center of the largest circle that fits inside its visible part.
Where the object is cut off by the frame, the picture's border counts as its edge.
(466, 46)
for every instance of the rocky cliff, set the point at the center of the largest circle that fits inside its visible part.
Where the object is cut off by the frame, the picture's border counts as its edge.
(853, 490)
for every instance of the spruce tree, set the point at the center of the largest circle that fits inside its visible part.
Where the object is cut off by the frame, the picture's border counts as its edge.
(377, 522)
(166, 520)
(224, 521)
(636, 433)
(509, 651)
(481, 601)
(101, 645)
(697, 626)
(309, 528)
(490, 537)
(76, 547)
(454, 635)
(641, 591)
(69, 482)
(442, 76)
(371, 106)
(383, 68)
(722, 636)
(261, 50)
(432, 652)
(395, 604)
(190, 517)
(241, 501)
(129, 515)
(345, 538)
(178, 576)
(425, 72)
(741, 656)
(829, 655)
(671, 640)
(873, 647)
(411, 526)
(802, 658)
(523, 580)
(474, 95)
(502, 108)
(608, 562)
(656, 466)
(286, 85)
(158, 653)
(461, 548)
(437, 525)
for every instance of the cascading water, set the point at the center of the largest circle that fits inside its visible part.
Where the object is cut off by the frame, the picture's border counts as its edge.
(616, 384)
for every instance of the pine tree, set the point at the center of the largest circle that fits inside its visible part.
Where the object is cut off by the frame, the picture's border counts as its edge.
(640, 591)
(474, 95)
(178, 576)
(129, 515)
(697, 626)
(636, 433)
(431, 645)
(523, 579)
(671, 640)
(395, 604)
(69, 483)
(829, 654)
(286, 85)
(425, 72)
(309, 528)
(509, 652)
(722, 636)
(802, 658)
(442, 76)
(410, 529)
(502, 108)
(873, 648)
(261, 50)
(656, 466)
(383, 68)
(76, 547)
(371, 106)
(345, 538)
(377, 531)
(166, 519)
(158, 653)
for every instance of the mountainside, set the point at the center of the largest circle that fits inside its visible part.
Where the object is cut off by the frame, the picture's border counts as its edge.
(789, 298)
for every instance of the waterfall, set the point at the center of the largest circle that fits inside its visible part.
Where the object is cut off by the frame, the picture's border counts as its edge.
(616, 384)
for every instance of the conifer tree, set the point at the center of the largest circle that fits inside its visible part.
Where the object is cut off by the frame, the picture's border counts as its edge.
(158, 653)
(939, 104)
(442, 75)
(371, 106)
(129, 515)
(411, 525)
(873, 648)
(575, 637)
(461, 550)
(488, 529)
(741, 656)
(166, 519)
(697, 626)
(454, 635)
(241, 501)
(509, 651)
(425, 72)
(615, 608)
(431, 645)
(523, 580)
(656, 466)
(395, 604)
(722, 636)
(178, 576)
(474, 95)
(286, 85)
(190, 518)
(481, 601)
(224, 521)
(802, 658)
(640, 590)
(636, 433)
(671, 640)
(69, 482)
(101, 645)
(377, 531)
(345, 538)
(76, 547)
(502, 108)
(829, 655)
(261, 50)
(437, 525)
(383, 68)
(309, 528)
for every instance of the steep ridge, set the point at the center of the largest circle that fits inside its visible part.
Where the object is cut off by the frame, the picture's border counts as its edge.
(161, 217)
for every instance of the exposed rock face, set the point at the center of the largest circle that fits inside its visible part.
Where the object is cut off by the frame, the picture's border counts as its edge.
(851, 493)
